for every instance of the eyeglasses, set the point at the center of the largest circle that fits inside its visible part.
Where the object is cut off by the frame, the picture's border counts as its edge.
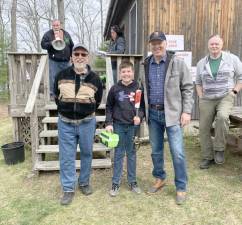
(78, 54)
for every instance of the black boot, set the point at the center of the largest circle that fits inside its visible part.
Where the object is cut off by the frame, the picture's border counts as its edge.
(67, 198)
(219, 157)
(206, 163)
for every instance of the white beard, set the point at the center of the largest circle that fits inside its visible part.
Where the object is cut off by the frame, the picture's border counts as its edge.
(80, 67)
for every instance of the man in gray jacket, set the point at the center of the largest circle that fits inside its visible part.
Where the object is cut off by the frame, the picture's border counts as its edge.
(168, 93)
(218, 80)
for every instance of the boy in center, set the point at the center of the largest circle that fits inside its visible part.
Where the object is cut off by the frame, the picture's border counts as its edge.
(122, 119)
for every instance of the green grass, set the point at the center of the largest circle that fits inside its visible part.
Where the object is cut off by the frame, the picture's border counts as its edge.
(214, 195)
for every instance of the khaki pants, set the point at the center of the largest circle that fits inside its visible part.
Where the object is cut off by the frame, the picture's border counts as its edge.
(214, 110)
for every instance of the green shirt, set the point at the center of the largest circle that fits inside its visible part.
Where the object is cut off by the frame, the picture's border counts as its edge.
(214, 65)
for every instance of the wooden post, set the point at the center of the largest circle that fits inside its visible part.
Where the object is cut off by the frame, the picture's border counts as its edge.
(34, 137)
(46, 83)
(16, 133)
(119, 60)
(109, 72)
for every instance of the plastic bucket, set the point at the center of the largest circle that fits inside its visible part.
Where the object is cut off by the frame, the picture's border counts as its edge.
(13, 152)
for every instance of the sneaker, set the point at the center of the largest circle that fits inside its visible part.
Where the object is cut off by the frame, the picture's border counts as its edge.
(86, 190)
(114, 191)
(67, 197)
(135, 188)
(206, 163)
(180, 197)
(219, 157)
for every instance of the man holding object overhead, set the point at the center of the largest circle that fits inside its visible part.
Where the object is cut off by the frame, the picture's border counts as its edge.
(59, 57)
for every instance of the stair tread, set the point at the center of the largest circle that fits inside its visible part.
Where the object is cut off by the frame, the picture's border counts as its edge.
(55, 119)
(54, 133)
(97, 147)
(53, 106)
(54, 165)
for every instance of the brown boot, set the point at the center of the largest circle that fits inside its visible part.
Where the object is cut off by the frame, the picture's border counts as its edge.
(157, 186)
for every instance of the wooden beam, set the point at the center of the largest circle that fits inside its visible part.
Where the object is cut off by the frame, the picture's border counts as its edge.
(109, 72)
(35, 87)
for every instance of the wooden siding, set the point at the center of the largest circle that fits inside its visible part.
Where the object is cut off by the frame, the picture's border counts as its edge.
(197, 20)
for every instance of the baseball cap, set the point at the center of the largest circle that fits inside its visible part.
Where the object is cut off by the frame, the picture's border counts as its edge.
(157, 35)
(79, 45)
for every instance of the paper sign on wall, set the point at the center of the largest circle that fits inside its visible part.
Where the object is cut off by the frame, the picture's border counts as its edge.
(186, 56)
(175, 42)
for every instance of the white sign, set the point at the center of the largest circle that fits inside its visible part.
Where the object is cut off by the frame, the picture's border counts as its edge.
(175, 42)
(186, 56)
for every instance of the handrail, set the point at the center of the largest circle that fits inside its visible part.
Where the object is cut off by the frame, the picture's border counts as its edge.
(35, 87)
(124, 55)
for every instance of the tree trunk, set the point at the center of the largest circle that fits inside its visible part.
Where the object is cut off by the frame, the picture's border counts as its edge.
(52, 12)
(61, 12)
(101, 11)
(13, 26)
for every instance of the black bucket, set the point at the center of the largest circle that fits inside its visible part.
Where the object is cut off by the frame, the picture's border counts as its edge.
(13, 152)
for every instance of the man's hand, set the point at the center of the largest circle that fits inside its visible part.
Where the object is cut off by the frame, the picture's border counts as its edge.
(109, 128)
(185, 119)
(136, 120)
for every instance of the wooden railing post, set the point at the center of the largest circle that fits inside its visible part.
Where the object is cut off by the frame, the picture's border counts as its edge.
(109, 73)
(34, 136)
(46, 82)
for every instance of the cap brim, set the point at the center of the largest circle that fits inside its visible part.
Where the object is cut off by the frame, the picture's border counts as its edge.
(157, 39)
(81, 47)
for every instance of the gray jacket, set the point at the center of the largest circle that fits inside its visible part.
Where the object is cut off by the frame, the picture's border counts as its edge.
(117, 46)
(178, 90)
(230, 72)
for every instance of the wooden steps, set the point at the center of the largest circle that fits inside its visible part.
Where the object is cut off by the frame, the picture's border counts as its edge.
(54, 165)
(48, 138)
(52, 106)
(55, 119)
(54, 133)
(97, 147)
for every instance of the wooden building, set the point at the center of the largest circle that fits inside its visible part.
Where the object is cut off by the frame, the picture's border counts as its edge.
(195, 19)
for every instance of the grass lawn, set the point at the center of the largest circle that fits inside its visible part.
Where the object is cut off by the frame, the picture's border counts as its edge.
(214, 195)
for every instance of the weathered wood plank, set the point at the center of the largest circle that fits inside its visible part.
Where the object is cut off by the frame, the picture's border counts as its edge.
(55, 119)
(35, 87)
(109, 74)
(34, 136)
(54, 165)
(54, 133)
(97, 147)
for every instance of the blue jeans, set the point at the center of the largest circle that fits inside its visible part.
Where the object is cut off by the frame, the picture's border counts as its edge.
(126, 136)
(54, 68)
(157, 128)
(69, 135)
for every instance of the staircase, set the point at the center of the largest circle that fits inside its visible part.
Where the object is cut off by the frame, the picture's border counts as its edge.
(47, 152)
(44, 144)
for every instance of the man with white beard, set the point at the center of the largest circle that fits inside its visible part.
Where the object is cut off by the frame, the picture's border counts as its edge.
(78, 93)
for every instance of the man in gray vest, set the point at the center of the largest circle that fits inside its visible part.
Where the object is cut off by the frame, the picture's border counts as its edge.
(218, 81)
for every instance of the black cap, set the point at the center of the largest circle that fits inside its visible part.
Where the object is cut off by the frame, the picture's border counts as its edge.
(157, 36)
(79, 45)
